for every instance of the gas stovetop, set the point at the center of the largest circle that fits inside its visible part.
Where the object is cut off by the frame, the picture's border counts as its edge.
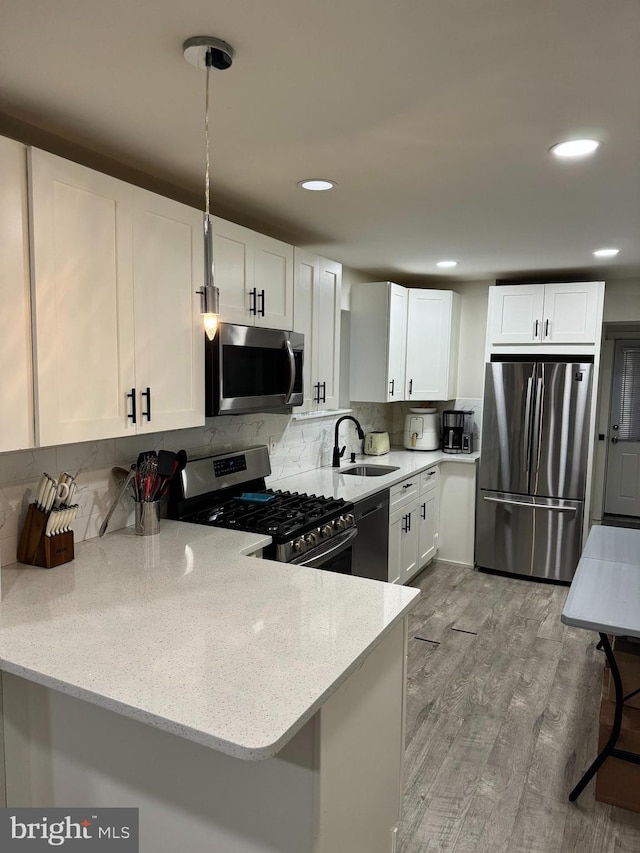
(229, 491)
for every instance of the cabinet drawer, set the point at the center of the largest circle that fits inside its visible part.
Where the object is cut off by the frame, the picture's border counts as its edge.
(404, 492)
(429, 480)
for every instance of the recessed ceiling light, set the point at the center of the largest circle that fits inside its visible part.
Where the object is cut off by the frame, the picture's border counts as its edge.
(446, 264)
(575, 148)
(317, 184)
(606, 253)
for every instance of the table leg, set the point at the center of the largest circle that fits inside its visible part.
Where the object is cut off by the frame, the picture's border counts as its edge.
(609, 747)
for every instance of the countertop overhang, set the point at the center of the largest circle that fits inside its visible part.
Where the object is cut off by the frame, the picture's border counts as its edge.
(184, 632)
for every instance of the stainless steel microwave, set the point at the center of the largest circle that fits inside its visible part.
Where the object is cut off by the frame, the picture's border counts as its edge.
(248, 369)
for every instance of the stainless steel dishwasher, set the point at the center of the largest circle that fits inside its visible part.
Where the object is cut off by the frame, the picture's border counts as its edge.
(370, 558)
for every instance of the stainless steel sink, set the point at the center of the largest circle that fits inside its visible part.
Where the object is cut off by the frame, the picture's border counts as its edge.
(369, 470)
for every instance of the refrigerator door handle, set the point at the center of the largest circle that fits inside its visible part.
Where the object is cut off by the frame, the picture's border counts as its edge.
(527, 425)
(530, 505)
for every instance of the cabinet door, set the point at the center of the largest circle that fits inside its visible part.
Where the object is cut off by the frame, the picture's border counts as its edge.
(396, 342)
(396, 532)
(306, 270)
(428, 535)
(515, 314)
(16, 384)
(410, 531)
(326, 333)
(82, 300)
(571, 313)
(431, 346)
(233, 271)
(273, 280)
(168, 256)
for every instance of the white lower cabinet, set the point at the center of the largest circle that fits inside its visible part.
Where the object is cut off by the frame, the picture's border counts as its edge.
(413, 525)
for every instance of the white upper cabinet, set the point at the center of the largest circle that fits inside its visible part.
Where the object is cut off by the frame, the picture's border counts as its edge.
(255, 276)
(167, 271)
(114, 275)
(404, 343)
(565, 313)
(433, 328)
(378, 342)
(318, 286)
(16, 386)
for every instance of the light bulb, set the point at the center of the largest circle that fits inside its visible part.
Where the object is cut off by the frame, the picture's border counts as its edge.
(210, 325)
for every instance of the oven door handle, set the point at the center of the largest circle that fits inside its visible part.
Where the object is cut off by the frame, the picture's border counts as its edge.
(292, 371)
(315, 559)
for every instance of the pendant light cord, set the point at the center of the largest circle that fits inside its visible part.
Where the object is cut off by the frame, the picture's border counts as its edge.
(206, 135)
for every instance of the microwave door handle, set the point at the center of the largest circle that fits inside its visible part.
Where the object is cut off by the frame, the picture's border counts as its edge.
(292, 371)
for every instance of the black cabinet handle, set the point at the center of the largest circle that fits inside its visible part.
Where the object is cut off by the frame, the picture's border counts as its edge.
(324, 392)
(407, 485)
(410, 386)
(132, 396)
(535, 333)
(261, 296)
(391, 389)
(404, 523)
(424, 511)
(147, 394)
(546, 328)
(253, 301)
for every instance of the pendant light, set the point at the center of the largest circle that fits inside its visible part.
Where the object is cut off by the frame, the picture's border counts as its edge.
(205, 53)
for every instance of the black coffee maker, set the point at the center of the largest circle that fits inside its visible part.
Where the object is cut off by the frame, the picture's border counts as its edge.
(452, 430)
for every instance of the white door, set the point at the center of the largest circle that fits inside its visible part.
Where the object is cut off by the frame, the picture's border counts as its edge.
(82, 300)
(622, 492)
(428, 539)
(326, 335)
(305, 276)
(273, 281)
(396, 342)
(571, 313)
(16, 384)
(429, 345)
(233, 272)
(168, 256)
(515, 314)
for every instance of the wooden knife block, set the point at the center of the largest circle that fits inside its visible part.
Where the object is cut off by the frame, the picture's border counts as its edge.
(36, 549)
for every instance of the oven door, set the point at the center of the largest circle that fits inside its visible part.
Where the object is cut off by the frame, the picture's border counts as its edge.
(336, 555)
(250, 369)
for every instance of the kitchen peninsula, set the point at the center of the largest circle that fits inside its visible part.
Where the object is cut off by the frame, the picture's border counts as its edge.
(240, 704)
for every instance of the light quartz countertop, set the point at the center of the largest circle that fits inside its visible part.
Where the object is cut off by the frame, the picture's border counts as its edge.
(333, 481)
(184, 632)
(605, 591)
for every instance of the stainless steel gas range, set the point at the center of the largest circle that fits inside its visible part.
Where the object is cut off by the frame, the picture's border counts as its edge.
(228, 490)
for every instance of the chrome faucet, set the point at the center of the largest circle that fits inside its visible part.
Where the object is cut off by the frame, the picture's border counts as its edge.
(337, 452)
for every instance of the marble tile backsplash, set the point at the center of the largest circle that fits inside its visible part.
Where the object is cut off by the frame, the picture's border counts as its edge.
(300, 445)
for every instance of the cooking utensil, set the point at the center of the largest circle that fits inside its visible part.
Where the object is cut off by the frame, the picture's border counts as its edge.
(120, 493)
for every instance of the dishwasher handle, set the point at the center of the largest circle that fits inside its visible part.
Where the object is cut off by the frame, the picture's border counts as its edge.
(381, 505)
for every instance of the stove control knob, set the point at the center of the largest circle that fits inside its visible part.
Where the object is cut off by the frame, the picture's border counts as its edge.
(299, 545)
(311, 539)
(340, 523)
(349, 520)
(326, 531)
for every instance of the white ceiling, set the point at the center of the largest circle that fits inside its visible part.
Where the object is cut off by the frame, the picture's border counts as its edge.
(434, 117)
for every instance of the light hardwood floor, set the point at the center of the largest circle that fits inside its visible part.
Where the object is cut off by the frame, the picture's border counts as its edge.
(502, 718)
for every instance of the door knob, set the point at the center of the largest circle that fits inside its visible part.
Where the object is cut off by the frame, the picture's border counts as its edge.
(614, 440)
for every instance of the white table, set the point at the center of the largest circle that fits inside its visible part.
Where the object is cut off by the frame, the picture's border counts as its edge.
(605, 597)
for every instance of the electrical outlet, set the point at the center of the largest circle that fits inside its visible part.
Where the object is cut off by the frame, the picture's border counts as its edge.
(273, 444)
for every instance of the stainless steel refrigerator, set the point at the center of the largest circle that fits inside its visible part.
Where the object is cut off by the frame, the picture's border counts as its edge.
(531, 485)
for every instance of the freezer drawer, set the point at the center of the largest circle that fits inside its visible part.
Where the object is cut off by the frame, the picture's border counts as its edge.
(523, 535)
